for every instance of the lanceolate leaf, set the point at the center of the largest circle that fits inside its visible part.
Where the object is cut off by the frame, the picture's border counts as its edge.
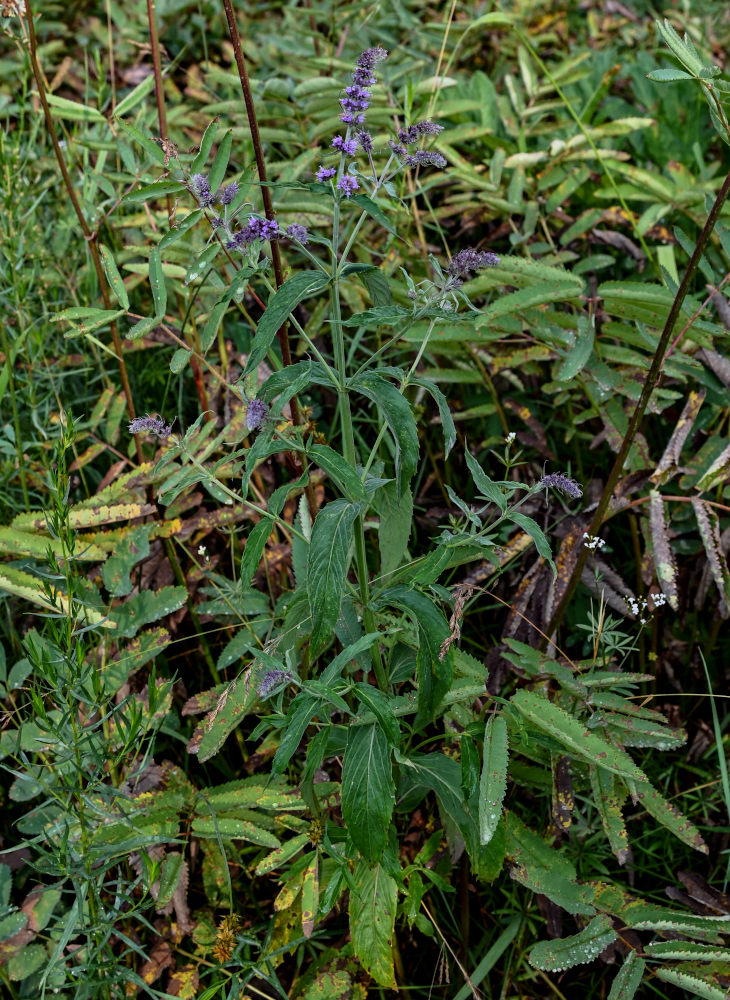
(399, 417)
(709, 526)
(608, 800)
(294, 290)
(493, 781)
(434, 671)
(696, 979)
(581, 948)
(329, 551)
(447, 421)
(368, 792)
(394, 529)
(629, 978)
(572, 733)
(669, 816)
(372, 919)
(231, 707)
(666, 567)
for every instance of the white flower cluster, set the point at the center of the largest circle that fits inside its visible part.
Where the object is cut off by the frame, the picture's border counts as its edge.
(510, 438)
(593, 542)
(640, 608)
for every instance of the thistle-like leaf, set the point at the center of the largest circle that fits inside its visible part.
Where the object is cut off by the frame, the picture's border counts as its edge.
(579, 949)
(493, 780)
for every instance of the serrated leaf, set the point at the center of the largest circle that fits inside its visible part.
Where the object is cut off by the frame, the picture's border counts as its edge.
(339, 470)
(493, 780)
(579, 949)
(691, 980)
(368, 792)
(294, 290)
(329, 551)
(669, 816)
(231, 708)
(24, 963)
(527, 298)
(282, 854)
(685, 951)
(374, 211)
(666, 567)
(233, 829)
(171, 872)
(668, 74)
(372, 920)
(533, 529)
(435, 672)
(394, 528)
(629, 978)
(133, 547)
(145, 607)
(608, 802)
(179, 360)
(572, 733)
(447, 421)
(400, 420)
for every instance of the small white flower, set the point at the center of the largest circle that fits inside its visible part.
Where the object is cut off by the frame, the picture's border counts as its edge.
(510, 438)
(202, 552)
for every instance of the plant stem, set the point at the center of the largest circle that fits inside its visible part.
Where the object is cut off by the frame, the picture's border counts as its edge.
(649, 385)
(348, 447)
(91, 237)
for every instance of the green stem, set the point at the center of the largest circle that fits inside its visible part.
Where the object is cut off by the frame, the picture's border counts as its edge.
(348, 447)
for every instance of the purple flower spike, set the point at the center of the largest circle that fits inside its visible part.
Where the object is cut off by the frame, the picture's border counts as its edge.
(150, 425)
(226, 195)
(559, 481)
(364, 141)
(324, 173)
(357, 96)
(201, 189)
(255, 229)
(271, 680)
(346, 146)
(470, 260)
(347, 184)
(424, 158)
(256, 414)
(298, 233)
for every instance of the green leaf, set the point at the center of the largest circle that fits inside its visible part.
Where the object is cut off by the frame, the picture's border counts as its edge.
(608, 803)
(669, 816)
(690, 979)
(181, 228)
(157, 283)
(533, 529)
(493, 780)
(581, 948)
(577, 357)
(378, 316)
(294, 290)
(372, 920)
(329, 551)
(145, 607)
(572, 733)
(368, 792)
(685, 951)
(381, 707)
(12, 924)
(61, 107)
(113, 276)
(282, 854)
(232, 706)
(152, 192)
(447, 421)
(629, 978)
(486, 487)
(24, 963)
(134, 97)
(338, 469)
(236, 288)
(301, 713)
(508, 305)
(179, 360)
(171, 872)
(206, 144)
(259, 535)
(152, 148)
(220, 163)
(234, 829)
(434, 671)
(374, 211)
(6, 882)
(394, 528)
(668, 74)
(133, 547)
(400, 420)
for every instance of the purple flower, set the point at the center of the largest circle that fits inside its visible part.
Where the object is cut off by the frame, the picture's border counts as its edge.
(559, 481)
(226, 195)
(150, 425)
(255, 229)
(298, 233)
(324, 173)
(272, 679)
(256, 414)
(413, 133)
(357, 96)
(364, 141)
(397, 148)
(346, 146)
(201, 190)
(469, 260)
(424, 158)
(347, 184)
